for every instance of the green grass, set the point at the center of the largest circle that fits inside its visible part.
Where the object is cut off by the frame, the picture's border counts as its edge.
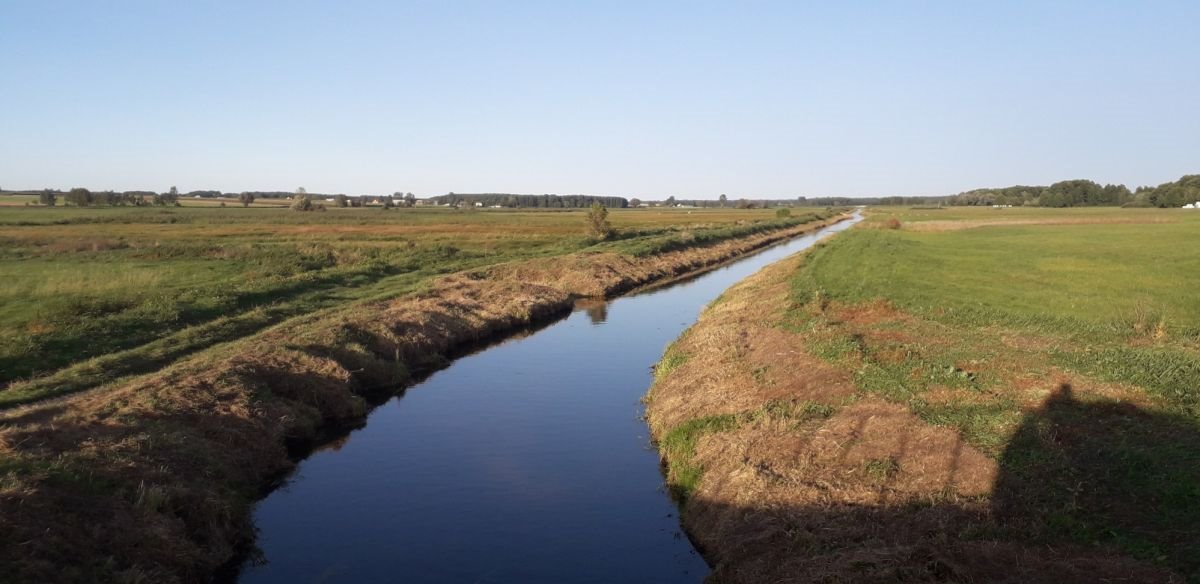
(1095, 278)
(89, 295)
(679, 447)
(972, 317)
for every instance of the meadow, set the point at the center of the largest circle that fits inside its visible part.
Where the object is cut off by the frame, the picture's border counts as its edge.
(1012, 387)
(1064, 344)
(88, 295)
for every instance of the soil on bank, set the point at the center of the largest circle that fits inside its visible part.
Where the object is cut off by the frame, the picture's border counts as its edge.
(152, 480)
(814, 440)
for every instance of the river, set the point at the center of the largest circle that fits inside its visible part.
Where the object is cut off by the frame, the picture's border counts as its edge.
(525, 462)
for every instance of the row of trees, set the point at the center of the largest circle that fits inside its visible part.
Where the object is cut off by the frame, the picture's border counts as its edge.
(1184, 191)
(1086, 193)
(81, 197)
(530, 201)
(1067, 193)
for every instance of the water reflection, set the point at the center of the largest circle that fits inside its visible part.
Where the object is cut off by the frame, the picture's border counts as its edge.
(596, 309)
(524, 462)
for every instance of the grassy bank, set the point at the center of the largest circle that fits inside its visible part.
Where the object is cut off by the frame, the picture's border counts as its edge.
(967, 395)
(150, 477)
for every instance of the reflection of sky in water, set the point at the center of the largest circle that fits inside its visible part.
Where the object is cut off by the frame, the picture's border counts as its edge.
(526, 462)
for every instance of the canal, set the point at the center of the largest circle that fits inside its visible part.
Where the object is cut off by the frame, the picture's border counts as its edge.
(527, 461)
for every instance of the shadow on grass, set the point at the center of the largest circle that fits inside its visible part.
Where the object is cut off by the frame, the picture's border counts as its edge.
(1106, 473)
(1087, 491)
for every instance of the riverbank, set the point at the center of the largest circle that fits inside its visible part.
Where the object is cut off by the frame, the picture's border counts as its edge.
(834, 419)
(153, 479)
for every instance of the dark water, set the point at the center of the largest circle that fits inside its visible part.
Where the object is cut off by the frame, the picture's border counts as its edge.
(526, 462)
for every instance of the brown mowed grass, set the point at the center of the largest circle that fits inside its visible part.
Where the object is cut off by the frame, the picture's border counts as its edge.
(956, 225)
(796, 462)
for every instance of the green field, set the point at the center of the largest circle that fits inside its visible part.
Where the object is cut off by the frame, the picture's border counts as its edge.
(1065, 344)
(91, 294)
(1094, 270)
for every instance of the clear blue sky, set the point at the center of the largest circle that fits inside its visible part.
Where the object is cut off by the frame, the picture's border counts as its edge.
(647, 99)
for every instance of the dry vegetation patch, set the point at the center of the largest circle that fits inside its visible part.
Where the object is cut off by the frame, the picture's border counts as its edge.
(959, 224)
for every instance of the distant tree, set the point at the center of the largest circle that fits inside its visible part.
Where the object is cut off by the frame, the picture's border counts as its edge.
(302, 202)
(48, 198)
(723, 199)
(169, 198)
(670, 202)
(635, 203)
(410, 199)
(247, 198)
(598, 225)
(108, 198)
(80, 197)
(387, 203)
(341, 201)
(744, 204)
(301, 191)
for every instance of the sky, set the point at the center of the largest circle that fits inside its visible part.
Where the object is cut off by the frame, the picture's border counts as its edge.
(639, 99)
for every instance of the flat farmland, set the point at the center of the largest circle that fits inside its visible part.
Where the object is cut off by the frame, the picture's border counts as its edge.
(91, 294)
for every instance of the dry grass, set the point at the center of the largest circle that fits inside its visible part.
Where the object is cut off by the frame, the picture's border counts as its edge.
(957, 225)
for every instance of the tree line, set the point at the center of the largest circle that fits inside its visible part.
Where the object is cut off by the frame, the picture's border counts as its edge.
(1067, 193)
(81, 197)
(1184, 191)
(1086, 193)
(530, 201)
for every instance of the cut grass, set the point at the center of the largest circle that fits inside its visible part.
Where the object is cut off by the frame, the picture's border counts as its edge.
(678, 446)
(969, 438)
(1091, 278)
(974, 329)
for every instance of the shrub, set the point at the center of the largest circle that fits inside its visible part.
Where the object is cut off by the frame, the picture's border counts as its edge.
(598, 225)
(892, 223)
(302, 203)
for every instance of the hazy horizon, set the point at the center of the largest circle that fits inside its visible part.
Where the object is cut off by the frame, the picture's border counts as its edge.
(770, 100)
